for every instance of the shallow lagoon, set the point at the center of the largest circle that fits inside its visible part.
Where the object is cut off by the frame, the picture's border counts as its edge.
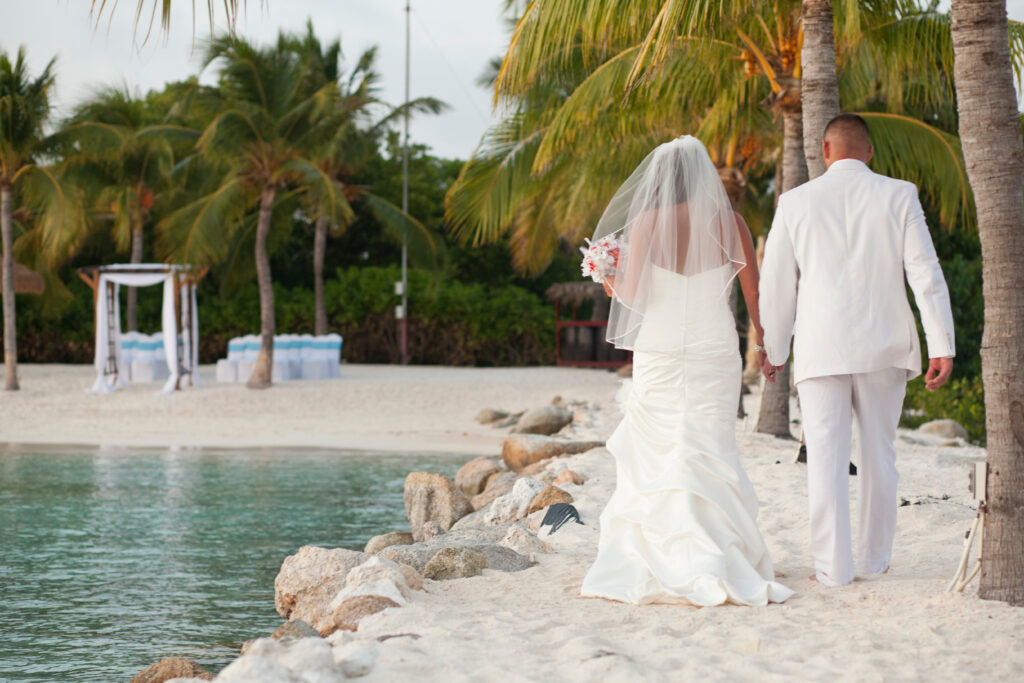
(111, 559)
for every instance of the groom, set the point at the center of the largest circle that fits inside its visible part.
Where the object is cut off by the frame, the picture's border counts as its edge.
(833, 278)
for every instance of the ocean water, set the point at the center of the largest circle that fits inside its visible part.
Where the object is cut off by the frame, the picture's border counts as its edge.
(111, 560)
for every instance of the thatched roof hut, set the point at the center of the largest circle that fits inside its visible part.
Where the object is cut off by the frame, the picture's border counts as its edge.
(574, 293)
(26, 281)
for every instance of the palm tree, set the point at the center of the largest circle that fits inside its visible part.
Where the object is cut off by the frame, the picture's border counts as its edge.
(267, 139)
(231, 8)
(990, 127)
(124, 154)
(580, 79)
(356, 139)
(46, 200)
(819, 89)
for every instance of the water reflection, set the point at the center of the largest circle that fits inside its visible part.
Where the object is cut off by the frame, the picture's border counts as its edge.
(111, 560)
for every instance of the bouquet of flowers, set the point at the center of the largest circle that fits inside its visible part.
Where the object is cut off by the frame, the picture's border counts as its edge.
(601, 257)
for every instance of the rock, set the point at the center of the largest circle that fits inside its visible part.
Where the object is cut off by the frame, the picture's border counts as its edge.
(296, 628)
(568, 477)
(497, 485)
(413, 579)
(357, 658)
(376, 576)
(378, 543)
(549, 496)
(514, 505)
(433, 498)
(625, 371)
(520, 450)
(430, 530)
(546, 420)
(347, 615)
(489, 415)
(534, 519)
(418, 555)
(534, 469)
(509, 421)
(473, 519)
(289, 660)
(948, 429)
(172, 667)
(310, 579)
(519, 539)
(472, 477)
(477, 532)
(455, 563)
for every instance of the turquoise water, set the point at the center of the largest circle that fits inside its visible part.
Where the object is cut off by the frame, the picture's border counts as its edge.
(111, 560)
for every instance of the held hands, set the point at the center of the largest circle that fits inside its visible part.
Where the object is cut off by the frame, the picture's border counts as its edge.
(939, 370)
(769, 371)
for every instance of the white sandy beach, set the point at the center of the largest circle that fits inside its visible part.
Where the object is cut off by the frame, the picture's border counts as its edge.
(532, 625)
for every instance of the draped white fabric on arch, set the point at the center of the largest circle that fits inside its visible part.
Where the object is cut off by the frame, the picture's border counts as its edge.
(107, 358)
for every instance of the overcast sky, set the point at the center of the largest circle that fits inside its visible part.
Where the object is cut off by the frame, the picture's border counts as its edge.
(452, 41)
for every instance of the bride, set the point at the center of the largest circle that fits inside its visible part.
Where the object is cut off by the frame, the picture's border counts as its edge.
(681, 526)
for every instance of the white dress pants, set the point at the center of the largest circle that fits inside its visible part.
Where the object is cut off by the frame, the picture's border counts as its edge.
(829, 405)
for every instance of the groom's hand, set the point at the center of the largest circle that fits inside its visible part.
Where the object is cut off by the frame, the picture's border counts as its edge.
(769, 371)
(939, 370)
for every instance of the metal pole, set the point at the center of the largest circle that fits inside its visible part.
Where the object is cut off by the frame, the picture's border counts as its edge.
(404, 331)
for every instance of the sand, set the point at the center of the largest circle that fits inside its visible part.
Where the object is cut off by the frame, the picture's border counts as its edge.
(532, 625)
(373, 407)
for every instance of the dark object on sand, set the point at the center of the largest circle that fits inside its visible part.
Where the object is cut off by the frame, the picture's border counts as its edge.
(802, 457)
(558, 514)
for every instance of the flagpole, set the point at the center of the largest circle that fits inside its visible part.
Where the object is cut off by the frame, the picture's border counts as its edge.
(404, 325)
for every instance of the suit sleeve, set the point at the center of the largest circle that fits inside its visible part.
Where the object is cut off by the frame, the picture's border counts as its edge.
(778, 288)
(927, 281)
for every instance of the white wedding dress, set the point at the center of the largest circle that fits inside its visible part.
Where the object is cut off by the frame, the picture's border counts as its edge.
(681, 526)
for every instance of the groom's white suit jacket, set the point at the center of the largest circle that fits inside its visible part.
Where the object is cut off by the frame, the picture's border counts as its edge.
(833, 277)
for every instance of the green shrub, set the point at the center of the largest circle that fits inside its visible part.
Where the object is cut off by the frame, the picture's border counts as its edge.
(962, 399)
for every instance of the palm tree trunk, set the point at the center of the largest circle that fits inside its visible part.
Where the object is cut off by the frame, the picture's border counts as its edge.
(263, 371)
(773, 416)
(10, 321)
(319, 247)
(991, 137)
(133, 292)
(819, 92)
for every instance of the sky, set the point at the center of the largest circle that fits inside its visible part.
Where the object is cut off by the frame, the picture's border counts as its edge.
(452, 42)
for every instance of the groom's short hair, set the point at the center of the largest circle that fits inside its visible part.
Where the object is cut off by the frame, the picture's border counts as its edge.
(850, 127)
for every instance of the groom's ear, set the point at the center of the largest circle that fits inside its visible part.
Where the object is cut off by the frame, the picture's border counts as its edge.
(871, 153)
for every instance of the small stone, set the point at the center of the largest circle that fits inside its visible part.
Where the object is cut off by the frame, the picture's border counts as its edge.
(347, 615)
(514, 505)
(536, 468)
(433, 497)
(519, 539)
(521, 450)
(546, 420)
(473, 476)
(497, 485)
(947, 429)
(557, 400)
(370, 578)
(419, 555)
(172, 667)
(378, 543)
(533, 520)
(489, 415)
(455, 563)
(549, 496)
(568, 477)
(626, 371)
(296, 628)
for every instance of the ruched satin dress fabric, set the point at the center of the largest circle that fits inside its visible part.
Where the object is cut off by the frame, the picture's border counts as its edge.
(681, 526)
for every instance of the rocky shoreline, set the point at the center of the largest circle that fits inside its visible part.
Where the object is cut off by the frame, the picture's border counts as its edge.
(488, 518)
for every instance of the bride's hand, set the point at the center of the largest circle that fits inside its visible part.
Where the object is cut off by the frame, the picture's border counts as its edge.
(608, 283)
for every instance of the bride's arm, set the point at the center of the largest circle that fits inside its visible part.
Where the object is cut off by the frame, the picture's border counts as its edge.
(749, 279)
(638, 248)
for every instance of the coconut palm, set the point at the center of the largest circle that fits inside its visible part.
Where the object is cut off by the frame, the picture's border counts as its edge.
(146, 12)
(47, 205)
(121, 150)
(265, 141)
(991, 132)
(356, 139)
(720, 70)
